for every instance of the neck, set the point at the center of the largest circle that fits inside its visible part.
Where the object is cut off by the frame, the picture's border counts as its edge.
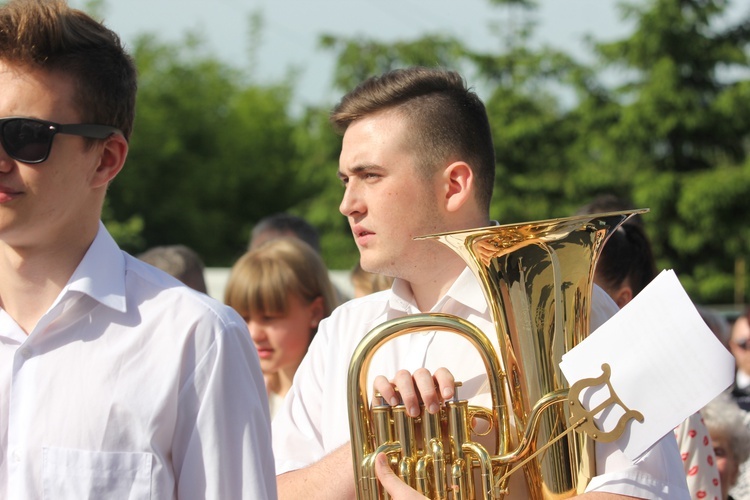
(439, 268)
(281, 381)
(429, 287)
(34, 275)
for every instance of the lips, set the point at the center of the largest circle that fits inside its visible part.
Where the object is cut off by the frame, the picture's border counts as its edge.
(264, 352)
(361, 234)
(8, 194)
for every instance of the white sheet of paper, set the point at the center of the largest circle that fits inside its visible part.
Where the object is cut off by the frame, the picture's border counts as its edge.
(666, 363)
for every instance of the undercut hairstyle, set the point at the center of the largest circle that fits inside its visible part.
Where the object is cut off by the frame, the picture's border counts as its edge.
(262, 280)
(447, 121)
(49, 35)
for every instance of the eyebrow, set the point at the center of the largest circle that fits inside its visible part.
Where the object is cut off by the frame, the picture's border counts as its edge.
(359, 169)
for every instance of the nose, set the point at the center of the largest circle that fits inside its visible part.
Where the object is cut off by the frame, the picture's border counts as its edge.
(351, 203)
(6, 162)
(257, 332)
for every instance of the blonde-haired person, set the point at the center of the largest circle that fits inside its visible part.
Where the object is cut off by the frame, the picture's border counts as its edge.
(283, 291)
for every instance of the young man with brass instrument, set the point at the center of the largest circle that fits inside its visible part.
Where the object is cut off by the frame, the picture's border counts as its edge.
(417, 158)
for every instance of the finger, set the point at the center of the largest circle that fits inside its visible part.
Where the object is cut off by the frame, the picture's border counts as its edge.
(405, 384)
(392, 484)
(386, 390)
(445, 382)
(426, 385)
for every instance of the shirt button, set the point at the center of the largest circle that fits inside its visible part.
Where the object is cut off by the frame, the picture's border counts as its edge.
(26, 353)
(16, 457)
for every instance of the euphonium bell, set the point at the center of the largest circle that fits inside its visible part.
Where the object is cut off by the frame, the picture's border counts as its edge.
(537, 278)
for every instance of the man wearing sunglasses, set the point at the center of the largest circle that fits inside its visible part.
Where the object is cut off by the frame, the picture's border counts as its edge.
(116, 381)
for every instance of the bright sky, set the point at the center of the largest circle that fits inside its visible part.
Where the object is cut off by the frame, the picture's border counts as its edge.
(292, 28)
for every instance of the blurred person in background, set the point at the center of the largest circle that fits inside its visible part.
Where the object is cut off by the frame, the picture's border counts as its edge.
(282, 291)
(626, 265)
(284, 224)
(179, 261)
(739, 345)
(730, 440)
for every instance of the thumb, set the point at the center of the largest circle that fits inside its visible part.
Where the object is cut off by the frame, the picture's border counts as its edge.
(392, 484)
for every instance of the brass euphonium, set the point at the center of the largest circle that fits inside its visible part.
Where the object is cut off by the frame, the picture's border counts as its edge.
(538, 281)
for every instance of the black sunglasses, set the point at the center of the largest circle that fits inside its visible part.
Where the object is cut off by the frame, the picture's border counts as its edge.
(29, 140)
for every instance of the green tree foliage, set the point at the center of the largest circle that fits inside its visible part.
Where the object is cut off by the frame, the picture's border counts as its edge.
(672, 135)
(679, 139)
(211, 154)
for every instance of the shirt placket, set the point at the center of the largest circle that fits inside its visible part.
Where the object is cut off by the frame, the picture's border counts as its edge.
(24, 402)
(22, 395)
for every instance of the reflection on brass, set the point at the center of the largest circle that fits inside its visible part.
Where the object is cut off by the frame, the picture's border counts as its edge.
(537, 279)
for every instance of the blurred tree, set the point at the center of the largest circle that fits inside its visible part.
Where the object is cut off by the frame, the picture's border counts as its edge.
(672, 135)
(211, 153)
(675, 134)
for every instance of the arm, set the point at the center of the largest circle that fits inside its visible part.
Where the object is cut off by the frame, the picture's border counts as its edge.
(330, 478)
(222, 439)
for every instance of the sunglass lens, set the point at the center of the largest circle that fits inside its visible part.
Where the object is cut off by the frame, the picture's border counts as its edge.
(27, 140)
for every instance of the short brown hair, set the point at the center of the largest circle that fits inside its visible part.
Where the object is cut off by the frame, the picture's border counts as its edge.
(448, 120)
(49, 35)
(262, 279)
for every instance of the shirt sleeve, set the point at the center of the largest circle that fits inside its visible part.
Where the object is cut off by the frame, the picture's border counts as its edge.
(602, 308)
(297, 432)
(222, 442)
(699, 462)
(656, 475)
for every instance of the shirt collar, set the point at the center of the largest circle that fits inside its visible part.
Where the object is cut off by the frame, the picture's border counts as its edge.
(465, 290)
(101, 273)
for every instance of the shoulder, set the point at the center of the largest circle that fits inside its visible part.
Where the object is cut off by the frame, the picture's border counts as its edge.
(155, 293)
(602, 307)
(351, 321)
(362, 310)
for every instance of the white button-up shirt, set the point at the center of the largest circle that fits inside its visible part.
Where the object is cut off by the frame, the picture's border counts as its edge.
(314, 418)
(132, 386)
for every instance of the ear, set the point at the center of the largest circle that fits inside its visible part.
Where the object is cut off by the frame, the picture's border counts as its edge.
(623, 296)
(111, 160)
(458, 180)
(316, 311)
